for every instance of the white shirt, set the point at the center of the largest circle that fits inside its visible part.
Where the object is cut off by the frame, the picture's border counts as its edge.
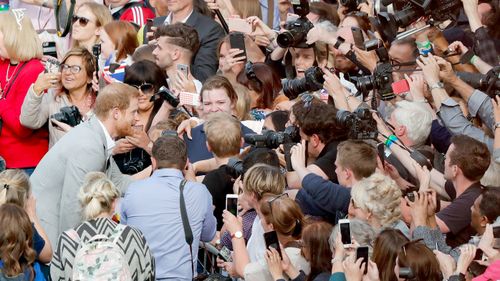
(168, 20)
(256, 245)
(110, 143)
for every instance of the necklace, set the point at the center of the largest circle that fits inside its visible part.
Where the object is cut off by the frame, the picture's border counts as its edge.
(7, 78)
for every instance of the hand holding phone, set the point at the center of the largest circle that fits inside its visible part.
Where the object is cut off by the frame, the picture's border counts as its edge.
(362, 252)
(232, 203)
(237, 41)
(345, 232)
(271, 239)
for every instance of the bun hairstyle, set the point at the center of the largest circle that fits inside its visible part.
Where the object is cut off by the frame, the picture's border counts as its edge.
(97, 195)
(14, 187)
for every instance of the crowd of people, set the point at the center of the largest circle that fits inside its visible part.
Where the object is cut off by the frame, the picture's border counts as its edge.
(250, 140)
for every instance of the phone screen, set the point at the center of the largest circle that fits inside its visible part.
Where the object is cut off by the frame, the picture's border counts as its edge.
(479, 254)
(232, 205)
(362, 252)
(271, 239)
(345, 231)
(237, 41)
(184, 69)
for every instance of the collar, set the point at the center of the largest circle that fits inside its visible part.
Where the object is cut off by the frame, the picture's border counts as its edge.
(110, 143)
(116, 9)
(168, 172)
(168, 20)
(328, 147)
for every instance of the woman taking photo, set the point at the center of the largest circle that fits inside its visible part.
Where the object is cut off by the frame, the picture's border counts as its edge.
(118, 43)
(20, 51)
(88, 20)
(132, 154)
(43, 99)
(98, 197)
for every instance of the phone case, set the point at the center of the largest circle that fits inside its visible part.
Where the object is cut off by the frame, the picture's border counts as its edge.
(187, 98)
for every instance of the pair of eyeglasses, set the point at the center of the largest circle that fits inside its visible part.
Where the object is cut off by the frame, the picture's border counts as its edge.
(353, 204)
(82, 20)
(397, 65)
(145, 88)
(72, 68)
(270, 201)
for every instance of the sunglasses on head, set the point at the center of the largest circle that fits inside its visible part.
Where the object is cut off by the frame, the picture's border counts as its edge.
(145, 88)
(82, 20)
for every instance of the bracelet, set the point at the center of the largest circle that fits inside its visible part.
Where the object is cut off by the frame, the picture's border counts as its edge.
(390, 140)
(425, 44)
(473, 59)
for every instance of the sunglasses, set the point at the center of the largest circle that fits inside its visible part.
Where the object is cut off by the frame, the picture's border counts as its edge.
(250, 73)
(72, 68)
(145, 88)
(82, 20)
(270, 201)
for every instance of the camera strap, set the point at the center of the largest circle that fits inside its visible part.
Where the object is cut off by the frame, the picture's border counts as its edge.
(188, 233)
(67, 27)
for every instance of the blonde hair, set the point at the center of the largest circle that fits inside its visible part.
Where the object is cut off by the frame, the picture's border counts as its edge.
(14, 187)
(263, 178)
(22, 44)
(379, 195)
(243, 103)
(114, 95)
(102, 16)
(223, 134)
(97, 195)
(246, 8)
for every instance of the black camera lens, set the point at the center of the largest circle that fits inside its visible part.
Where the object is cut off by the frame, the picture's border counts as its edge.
(285, 39)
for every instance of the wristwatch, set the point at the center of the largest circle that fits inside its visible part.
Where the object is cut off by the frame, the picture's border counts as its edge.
(438, 85)
(237, 234)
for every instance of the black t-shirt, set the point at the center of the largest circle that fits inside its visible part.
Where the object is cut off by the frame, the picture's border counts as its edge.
(457, 215)
(219, 183)
(326, 160)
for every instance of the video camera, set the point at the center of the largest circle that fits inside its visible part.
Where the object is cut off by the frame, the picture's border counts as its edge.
(272, 140)
(312, 81)
(165, 94)
(296, 31)
(69, 115)
(359, 123)
(408, 11)
(381, 79)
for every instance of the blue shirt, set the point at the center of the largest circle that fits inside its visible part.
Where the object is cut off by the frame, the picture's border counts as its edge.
(152, 206)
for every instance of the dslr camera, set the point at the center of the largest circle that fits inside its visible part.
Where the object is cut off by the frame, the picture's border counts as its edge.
(69, 115)
(488, 83)
(296, 31)
(408, 11)
(312, 81)
(234, 168)
(381, 79)
(165, 94)
(360, 123)
(134, 166)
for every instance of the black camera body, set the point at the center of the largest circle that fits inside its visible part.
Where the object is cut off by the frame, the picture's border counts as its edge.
(488, 83)
(360, 123)
(133, 166)
(165, 94)
(296, 31)
(234, 168)
(69, 115)
(313, 80)
(351, 5)
(272, 139)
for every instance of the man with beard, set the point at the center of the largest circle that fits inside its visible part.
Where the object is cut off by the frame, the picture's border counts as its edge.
(86, 148)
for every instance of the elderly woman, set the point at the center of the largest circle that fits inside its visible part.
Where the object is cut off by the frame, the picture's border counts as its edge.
(98, 198)
(376, 200)
(20, 51)
(43, 100)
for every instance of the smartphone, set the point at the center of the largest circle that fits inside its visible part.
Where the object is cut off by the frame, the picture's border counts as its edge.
(187, 98)
(400, 87)
(239, 25)
(496, 235)
(345, 231)
(362, 252)
(183, 68)
(232, 203)
(225, 254)
(479, 254)
(52, 65)
(359, 39)
(271, 239)
(237, 41)
(49, 49)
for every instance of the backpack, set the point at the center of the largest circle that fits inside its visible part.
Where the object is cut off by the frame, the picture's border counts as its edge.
(101, 259)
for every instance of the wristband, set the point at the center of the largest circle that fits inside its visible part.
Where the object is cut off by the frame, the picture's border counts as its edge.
(473, 59)
(390, 140)
(425, 44)
(4, 7)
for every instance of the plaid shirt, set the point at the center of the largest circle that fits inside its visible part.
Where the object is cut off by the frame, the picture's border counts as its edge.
(484, 46)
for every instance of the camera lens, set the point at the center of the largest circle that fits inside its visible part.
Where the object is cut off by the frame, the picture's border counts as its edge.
(285, 39)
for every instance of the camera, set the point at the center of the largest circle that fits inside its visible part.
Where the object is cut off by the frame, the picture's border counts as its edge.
(134, 166)
(165, 94)
(312, 81)
(489, 82)
(234, 168)
(360, 123)
(272, 140)
(408, 11)
(69, 115)
(381, 79)
(296, 31)
(351, 5)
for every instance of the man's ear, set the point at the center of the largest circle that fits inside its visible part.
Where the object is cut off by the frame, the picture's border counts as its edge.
(315, 140)
(154, 164)
(116, 113)
(400, 131)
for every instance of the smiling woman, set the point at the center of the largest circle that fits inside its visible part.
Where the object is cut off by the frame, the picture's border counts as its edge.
(88, 21)
(53, 91)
